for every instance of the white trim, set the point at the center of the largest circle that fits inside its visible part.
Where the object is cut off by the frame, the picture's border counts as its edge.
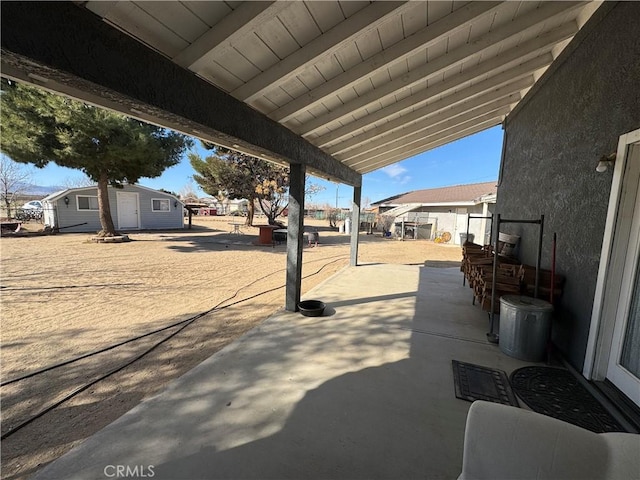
(87, 209)
(617, 373)
(604, 308)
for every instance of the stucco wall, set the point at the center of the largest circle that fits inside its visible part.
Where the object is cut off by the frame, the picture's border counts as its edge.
(553, 142)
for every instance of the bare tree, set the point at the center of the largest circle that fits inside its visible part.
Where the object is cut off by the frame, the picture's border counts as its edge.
(311, 189)
(78, 182)
(15, 179)
(188, 193)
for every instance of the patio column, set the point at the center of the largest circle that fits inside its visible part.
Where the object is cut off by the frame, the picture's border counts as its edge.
(295, 226)
(355, 225)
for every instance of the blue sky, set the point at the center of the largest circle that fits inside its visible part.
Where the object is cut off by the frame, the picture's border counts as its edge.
(470, 160)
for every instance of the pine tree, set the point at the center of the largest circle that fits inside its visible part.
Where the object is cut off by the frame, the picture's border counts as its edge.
(111, 149)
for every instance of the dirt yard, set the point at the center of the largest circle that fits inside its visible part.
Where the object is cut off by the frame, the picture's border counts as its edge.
(64, 296)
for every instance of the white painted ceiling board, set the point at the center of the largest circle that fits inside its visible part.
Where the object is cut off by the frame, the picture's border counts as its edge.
(220, 76)
(391, 32)
(310, 78)
(209, 12)
(294, 87)
(132, 19)
(277, 96)
(257, 52)
(438, 10)
(299, 22)
(350, 7)
(329, 68)
(418, 131)
(347, 57)
(326, 14)
(342, 81)
(176, 17)
(238, 65)
(277, 38)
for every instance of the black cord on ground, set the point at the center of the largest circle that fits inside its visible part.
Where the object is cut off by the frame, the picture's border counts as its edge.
(186, 323)
(139, 337)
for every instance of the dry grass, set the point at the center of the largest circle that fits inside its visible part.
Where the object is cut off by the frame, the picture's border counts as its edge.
(63, 296)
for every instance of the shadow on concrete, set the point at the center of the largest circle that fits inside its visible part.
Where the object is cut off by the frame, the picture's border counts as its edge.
(351, 427)
(367, 393)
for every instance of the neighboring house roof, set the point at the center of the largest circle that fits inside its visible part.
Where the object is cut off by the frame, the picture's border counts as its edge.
(456, 194)
(57, 195)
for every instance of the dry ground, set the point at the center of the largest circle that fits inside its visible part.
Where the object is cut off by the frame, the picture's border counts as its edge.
(64, 296)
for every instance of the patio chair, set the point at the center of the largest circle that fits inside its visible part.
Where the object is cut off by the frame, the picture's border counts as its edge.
(506, 442)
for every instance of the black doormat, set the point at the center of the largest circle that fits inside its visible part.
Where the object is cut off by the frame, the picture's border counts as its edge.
(557, 393)
(474, 382)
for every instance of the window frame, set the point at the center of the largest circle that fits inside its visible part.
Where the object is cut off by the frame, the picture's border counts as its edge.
(78, 197)
(161, 200)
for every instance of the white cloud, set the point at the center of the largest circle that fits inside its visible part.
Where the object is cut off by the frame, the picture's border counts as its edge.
(394, 170)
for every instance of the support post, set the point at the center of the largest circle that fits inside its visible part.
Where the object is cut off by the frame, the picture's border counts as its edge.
(539, 257)
(355, 225)
(491, 335)
(295, 227)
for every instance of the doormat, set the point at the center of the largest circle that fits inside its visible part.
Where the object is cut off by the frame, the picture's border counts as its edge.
(474, 382)
(557, 393)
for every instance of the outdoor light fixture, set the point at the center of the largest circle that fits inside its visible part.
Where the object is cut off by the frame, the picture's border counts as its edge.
(175, 204)
(605, 162)
(66, 201)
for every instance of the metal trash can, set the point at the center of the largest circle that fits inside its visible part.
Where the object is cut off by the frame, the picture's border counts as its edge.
(525, 323)
(466, 236)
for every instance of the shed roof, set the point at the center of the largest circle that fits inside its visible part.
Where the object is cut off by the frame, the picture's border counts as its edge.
(456, 194)
(57, 195)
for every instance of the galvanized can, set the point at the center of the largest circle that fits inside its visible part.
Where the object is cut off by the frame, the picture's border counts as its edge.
(525, 324)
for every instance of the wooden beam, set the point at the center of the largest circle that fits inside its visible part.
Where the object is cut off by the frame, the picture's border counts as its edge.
(46, 44)
(464, 100)
(420, 131)
(439, 65)
(221, 37)
(420, 40)
(488, 67)
(430, 145)
(344, 33)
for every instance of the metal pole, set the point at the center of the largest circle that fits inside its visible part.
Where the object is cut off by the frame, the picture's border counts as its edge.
(538, 257)
(355, 225)
(468, 220)
(492, 337)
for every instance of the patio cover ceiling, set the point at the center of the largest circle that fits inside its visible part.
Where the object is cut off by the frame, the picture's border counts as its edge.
(368, 83)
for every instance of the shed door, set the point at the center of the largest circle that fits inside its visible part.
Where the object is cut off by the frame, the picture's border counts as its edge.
(127, 210)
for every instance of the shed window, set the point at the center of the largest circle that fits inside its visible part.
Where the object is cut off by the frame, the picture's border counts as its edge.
(160, 205)
(86, 202)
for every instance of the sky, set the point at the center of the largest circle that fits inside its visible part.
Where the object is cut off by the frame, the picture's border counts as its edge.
(473, 159)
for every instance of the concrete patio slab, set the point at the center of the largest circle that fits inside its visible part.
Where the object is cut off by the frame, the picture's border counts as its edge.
(365, 391)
